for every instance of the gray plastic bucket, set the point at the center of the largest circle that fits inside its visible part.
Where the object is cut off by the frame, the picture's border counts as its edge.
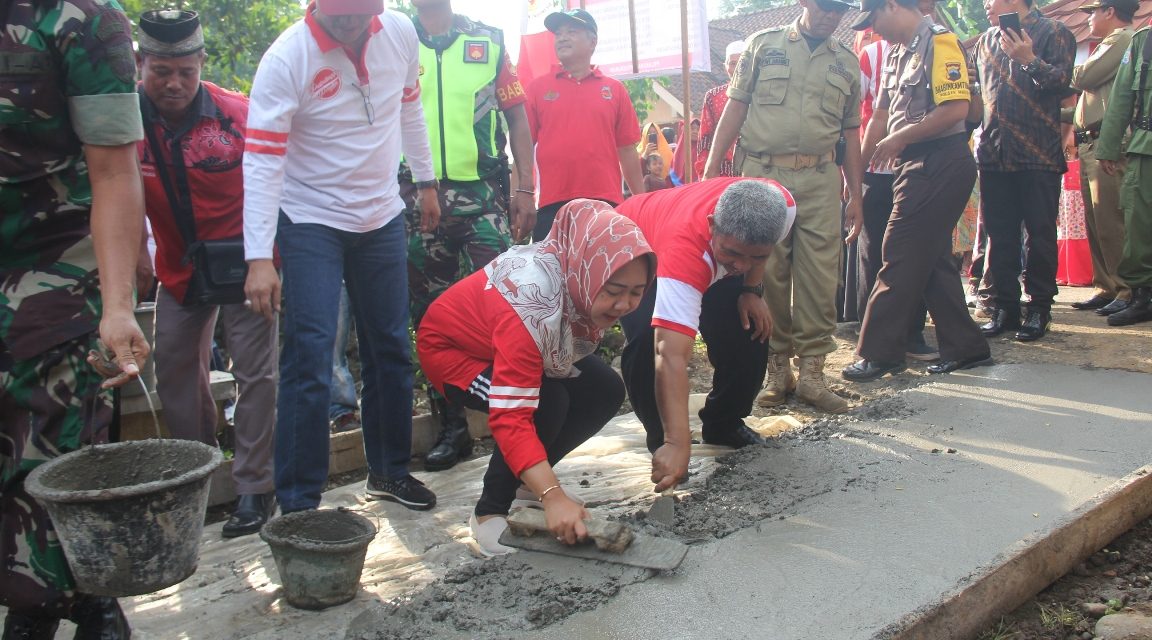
(129, 515)
(319, 555)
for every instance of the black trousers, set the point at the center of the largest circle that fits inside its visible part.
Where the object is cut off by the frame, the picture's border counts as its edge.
(546, 215)
(737, 360)
(1009, 198)
(571, 410)
(929, 196)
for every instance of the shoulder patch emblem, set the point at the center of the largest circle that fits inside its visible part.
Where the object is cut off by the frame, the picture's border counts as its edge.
(939, 29)
(952, 70)
(325, 84)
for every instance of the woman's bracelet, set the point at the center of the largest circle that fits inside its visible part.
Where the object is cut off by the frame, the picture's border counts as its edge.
(545, 492)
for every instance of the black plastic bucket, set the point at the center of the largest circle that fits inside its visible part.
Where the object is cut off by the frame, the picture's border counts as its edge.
(319, 555)
(129, 515)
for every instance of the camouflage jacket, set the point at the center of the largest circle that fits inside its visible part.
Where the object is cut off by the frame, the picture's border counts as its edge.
(66, 72)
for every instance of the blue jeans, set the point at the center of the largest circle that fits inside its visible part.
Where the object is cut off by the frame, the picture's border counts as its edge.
(343, 386)
(373, 266)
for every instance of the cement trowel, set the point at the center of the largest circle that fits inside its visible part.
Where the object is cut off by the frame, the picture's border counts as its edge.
(607, 541)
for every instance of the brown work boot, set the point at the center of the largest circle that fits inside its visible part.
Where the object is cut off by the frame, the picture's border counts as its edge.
(812, 388)
(779, 383)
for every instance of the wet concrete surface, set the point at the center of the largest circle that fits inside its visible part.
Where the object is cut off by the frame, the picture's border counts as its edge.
(904, 504)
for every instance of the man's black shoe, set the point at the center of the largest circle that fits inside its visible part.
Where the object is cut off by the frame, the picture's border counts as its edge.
(1034, 327)
(948, 366)
(741, 436)
(23, 626)
(99, 618)
(1116, 306)
(1095, 302)
(408, 491)
(252, 511)
(1139, 311)
(867, 370)
(1002, 320)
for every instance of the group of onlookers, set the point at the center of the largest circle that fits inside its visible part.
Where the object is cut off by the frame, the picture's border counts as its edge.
(366, 178)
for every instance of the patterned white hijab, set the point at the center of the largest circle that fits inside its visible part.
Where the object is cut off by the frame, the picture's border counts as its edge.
(551, 284)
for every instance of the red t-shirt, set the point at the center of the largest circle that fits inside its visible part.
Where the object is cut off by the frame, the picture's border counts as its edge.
(675, 223)
(469, 328)
(213, 158)
(578, 126)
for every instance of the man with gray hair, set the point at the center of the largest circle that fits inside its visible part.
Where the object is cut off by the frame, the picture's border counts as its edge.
(711, 240)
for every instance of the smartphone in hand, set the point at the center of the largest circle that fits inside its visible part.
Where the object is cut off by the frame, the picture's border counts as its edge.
(1009, 21)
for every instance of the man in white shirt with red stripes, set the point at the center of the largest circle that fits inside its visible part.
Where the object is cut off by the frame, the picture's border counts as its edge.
(334, 103)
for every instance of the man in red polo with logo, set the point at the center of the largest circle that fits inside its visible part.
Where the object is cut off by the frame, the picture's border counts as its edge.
(579, 115)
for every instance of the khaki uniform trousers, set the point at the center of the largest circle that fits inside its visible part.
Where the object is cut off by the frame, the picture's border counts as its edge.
(1104, 219)
(801, 275)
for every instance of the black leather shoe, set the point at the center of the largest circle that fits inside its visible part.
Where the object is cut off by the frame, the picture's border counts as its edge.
(252, 511)
(736, 438)
(1034, 327)
(1095, 302)
(99, 618)
(1139, 311)
(948, 366)
(23, 626)
(1002, 320)
(867, 370)
(1115, 306)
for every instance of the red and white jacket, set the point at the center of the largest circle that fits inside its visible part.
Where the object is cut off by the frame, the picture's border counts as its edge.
(469, 327)
(326, 129)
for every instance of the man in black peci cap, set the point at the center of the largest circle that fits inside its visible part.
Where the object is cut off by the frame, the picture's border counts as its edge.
(192, 162)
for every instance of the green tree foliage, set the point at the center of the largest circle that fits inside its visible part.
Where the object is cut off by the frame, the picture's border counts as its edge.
(643, 96)
(236, 33)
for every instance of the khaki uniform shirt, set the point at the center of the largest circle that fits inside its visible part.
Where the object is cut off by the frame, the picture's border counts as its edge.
(798, 99)
(917, 78)
(1094, 78)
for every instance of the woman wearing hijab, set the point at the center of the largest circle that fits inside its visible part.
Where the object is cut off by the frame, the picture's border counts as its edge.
(517, 339)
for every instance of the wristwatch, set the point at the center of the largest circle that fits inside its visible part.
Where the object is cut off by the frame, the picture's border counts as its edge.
(1030, 67)
(758, 289)
(427, 184)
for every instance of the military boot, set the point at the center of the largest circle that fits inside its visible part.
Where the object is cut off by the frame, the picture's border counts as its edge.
(455, 442)
(779, 383)
(99, 618)
(23, 626)
(812, 388)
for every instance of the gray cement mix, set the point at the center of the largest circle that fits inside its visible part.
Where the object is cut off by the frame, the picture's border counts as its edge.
(833, 532)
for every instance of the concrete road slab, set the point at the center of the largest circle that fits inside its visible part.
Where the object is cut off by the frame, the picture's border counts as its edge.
(952, 500)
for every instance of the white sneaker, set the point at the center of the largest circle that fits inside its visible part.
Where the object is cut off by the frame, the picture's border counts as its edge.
(525, 499)
(487, 535)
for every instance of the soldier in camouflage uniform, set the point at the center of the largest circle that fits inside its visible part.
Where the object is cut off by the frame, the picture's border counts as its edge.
(70, 200)
(466, 81)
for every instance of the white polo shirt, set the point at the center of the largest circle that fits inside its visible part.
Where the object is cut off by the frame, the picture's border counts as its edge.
(326, 132)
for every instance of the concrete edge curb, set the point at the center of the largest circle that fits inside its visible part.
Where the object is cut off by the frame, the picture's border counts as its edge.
(1030, 565)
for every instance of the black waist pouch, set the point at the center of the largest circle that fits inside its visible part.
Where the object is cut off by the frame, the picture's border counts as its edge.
(218, 272)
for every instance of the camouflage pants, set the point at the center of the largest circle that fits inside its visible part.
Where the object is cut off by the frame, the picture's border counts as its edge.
(473, 230)
(49, 405)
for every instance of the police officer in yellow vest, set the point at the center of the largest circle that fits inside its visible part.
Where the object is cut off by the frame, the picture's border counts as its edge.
(796, 92)
(466, 81)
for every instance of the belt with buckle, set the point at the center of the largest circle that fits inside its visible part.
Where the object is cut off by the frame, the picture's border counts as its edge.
(1087, 135)
(791, 160)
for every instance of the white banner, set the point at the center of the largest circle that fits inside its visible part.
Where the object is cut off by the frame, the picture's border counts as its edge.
(658, 50)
